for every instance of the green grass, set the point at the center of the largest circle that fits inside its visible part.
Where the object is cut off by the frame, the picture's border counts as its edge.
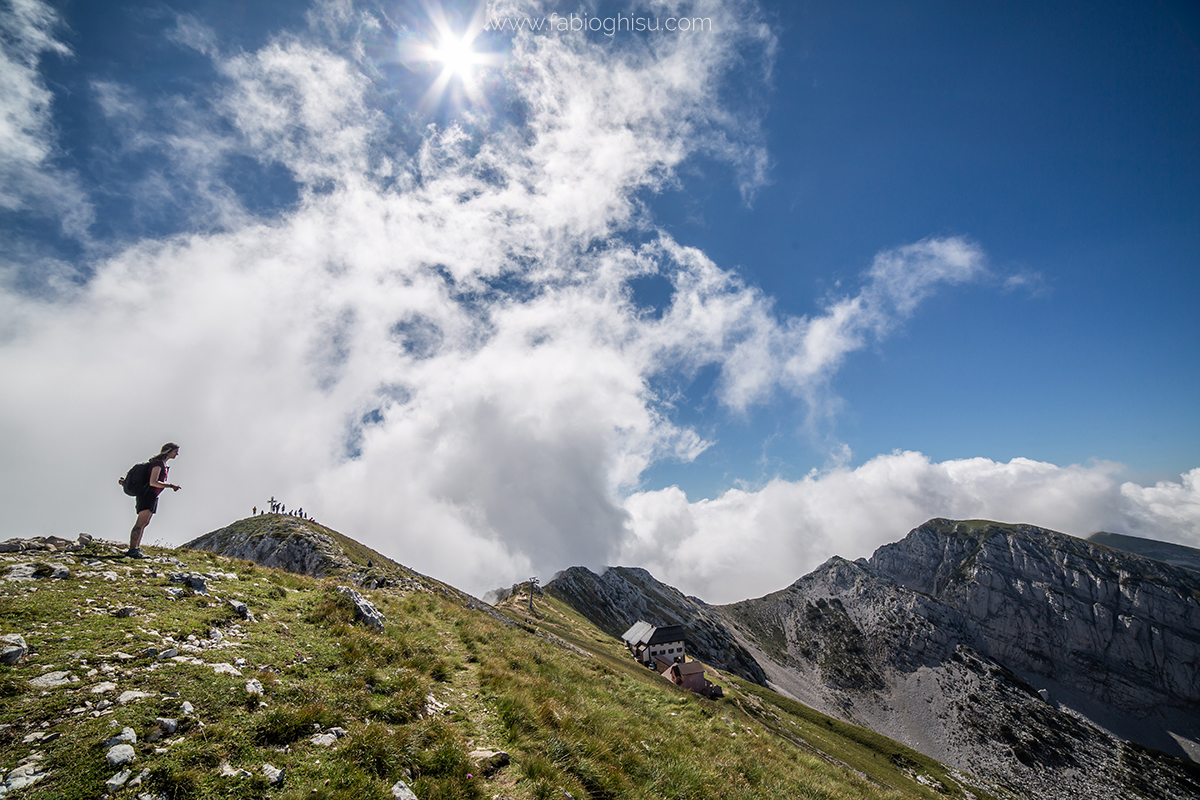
(563, 698)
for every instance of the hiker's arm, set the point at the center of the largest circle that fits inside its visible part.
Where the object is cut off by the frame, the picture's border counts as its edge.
(154, 473)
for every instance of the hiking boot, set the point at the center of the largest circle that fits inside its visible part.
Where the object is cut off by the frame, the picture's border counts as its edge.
(135, 552)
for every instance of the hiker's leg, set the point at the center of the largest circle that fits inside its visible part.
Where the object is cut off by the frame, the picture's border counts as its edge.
(135, 535)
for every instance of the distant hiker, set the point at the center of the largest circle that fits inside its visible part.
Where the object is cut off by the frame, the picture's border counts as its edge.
(254, 511)
(148, 481)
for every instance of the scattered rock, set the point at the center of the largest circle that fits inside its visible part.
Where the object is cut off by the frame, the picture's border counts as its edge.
(117, 781)
(124, 612)
(12, 546)
(273, 775)
(193, 580)
(242, 609)
(170, 652)
(400, 791)
(324, 739)
(168, 725)
(187, 709)
(128, 697)
(120, 754)
(254, 686)
(21, 572)
(12, 648)
(126, 736)
(49, 680)
(489, 761)
(40, 737)
(229, 772)
(364, 611)
(174, 591)
(26, 774)
(102, 688)
(433, 705)
(85, 538)
(225, 668)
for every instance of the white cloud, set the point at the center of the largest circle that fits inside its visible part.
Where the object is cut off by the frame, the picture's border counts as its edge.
(745, 544)
(30, 181)
(437, 351)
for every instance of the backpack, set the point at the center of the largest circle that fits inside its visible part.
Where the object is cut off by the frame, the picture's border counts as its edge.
(137, 479)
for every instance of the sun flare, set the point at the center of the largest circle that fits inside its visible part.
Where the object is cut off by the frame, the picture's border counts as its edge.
(457, 56)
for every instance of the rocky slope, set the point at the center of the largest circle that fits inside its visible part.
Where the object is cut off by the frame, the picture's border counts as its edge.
(1022, 655)
(193, 675)
(281, 541)
(1109, 633)
(621, 596)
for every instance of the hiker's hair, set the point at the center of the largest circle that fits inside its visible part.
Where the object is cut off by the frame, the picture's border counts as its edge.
(166, 448)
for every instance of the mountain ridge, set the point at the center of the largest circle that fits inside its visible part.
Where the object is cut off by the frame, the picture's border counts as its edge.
(967, 641)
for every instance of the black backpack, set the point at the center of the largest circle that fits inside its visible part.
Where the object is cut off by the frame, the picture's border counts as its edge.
(137, 479)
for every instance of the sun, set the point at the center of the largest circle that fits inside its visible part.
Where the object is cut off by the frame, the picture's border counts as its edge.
(457, 57)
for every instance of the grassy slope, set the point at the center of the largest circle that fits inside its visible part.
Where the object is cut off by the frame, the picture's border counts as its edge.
(592, 724)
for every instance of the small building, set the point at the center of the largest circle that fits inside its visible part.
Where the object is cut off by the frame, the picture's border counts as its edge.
(690, 675)
(649, 644)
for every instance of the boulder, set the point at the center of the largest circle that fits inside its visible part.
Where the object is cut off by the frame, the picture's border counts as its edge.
(364, 611)
(242, 610)
(192, 580)
(120, 754)
(12, 648)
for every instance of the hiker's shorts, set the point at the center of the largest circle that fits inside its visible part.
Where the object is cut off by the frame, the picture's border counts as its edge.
(147, 501)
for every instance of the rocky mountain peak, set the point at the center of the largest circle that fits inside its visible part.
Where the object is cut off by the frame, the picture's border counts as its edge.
(298, 545)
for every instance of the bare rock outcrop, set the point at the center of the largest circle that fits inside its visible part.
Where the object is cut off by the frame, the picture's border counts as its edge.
(278, 541)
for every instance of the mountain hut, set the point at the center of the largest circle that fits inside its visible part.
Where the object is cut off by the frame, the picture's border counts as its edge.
(649, 644)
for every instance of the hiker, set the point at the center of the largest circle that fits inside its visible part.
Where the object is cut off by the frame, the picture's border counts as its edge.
(147, 498)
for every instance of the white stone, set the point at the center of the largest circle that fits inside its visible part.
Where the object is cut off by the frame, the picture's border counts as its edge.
(120, 755)
(130, 696)
(126, 736)
(273, 774)
(49, 680)
(400, 791)
(117, 781)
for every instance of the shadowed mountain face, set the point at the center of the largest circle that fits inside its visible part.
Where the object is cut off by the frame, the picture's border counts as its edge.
(621, 596)
(1176, 554)
(1019, 654)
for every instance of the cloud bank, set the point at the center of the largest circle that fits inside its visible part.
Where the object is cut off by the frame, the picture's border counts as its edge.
(437, 348)
(745, 544)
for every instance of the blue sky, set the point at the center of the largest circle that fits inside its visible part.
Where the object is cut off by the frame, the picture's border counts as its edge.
(720, 304)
